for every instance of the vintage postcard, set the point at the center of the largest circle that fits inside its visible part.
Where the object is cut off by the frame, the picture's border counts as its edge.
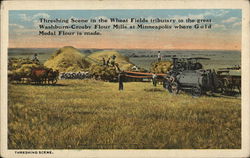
(125, 79)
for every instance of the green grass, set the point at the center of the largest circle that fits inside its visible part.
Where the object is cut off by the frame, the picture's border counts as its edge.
(95, 115)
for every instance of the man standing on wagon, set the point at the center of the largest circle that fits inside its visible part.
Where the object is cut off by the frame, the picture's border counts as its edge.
(159, 56)
(35, 59)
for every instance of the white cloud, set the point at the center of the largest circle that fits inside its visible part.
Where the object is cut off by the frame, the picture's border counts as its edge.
(221, 13)
(41, 15)
(36, 23)
(34, 18)
(17, 31)
(24, 17)
(198, 16)
(230, 20)
(216, 13)
(219, 26)
(202, 15)
(237, 24)
(16, 26)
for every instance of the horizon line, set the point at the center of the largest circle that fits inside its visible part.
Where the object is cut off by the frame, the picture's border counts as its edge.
(121, 48)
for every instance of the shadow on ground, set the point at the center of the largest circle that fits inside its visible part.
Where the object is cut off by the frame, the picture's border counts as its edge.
(43, 85)
(154, 90)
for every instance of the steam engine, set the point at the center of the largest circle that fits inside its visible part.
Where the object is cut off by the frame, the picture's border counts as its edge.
(188, 75)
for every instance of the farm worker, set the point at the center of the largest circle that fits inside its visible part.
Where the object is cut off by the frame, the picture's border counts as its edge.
(113, 60)
(113, 63)
(103, 61)
(108, 61)
(35, 59)
(135, 68)
(154, 77)
(120, 80)
(159, 56)
(113, 57)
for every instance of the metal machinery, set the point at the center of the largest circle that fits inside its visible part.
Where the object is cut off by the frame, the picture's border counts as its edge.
(230, 79)
(187, 74)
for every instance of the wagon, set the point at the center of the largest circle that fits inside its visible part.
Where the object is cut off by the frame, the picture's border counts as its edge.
(230, 79)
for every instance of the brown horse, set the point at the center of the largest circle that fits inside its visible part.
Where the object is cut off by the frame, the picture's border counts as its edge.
(39, 75)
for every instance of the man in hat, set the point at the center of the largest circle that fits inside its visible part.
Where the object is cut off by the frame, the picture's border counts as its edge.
(35, 59)
(108, 61)
(154, 78)
(120, 80)
(159, 56)
(103, 61)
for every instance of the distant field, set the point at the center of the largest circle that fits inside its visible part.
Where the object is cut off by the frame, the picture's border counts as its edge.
(88, 114)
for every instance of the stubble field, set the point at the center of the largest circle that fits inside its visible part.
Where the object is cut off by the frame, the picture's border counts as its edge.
(88, 114)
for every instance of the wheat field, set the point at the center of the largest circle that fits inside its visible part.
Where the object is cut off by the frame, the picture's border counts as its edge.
(89, 114)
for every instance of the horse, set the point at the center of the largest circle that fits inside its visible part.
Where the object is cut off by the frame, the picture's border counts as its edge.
(39, 75)
(52, 76)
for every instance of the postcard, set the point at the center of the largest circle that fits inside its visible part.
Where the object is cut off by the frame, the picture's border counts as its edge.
(125, 79)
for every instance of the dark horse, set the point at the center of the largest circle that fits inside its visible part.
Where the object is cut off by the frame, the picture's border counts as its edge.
(52, 76)
(43, 75)
(39, 75)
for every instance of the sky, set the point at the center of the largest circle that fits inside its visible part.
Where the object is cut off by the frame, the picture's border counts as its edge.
(225, 32)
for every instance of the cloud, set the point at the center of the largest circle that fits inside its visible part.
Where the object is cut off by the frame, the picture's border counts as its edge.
(17, 31)
(216, 13)
(34, 19)
(36, 23)
(230, 20)
(237, 24)
(219, 26)
(221, 13)
(41, 15)
(24, 17)
(16, 26)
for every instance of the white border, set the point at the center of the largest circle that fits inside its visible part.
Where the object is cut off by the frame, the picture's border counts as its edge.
(70, 5)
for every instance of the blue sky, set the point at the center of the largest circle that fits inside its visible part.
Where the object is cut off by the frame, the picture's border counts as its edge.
(24, 23)
(15, 16)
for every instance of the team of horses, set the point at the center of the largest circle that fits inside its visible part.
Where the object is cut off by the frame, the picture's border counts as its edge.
(36, 76)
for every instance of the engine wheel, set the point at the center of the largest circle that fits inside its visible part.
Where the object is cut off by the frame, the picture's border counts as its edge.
(228, 88)
(196, 91)
(220, 88)
(174, 88)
